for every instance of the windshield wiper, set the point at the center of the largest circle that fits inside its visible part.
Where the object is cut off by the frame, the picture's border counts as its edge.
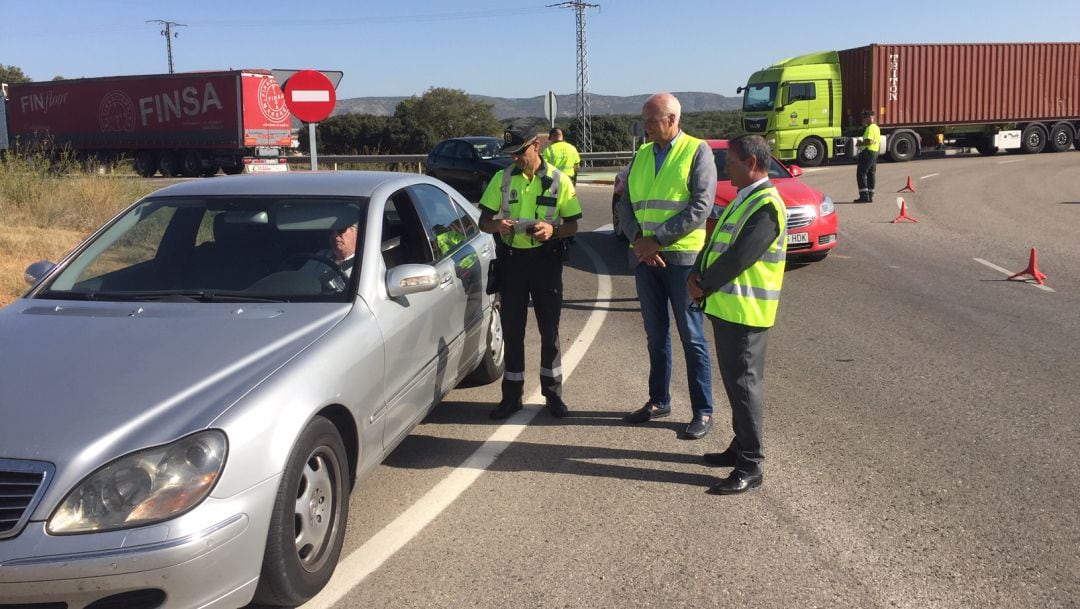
(162, 296)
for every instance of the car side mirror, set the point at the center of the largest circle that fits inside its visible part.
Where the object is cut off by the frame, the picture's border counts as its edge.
(411, 279)
(795, 170)
(36, 271)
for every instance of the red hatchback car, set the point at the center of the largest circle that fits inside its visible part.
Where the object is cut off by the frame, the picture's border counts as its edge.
(811, 214)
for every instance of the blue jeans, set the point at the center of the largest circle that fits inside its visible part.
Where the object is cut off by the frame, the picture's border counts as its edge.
(657, 287)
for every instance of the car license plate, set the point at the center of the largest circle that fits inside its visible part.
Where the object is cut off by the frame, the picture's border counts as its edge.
(798, 238)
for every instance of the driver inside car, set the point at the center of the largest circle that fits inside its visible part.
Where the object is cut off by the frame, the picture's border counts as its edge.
(342, 253)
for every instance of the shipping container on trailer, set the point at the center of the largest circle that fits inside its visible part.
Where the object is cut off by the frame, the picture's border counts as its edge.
(1021, 97)
(176, 124)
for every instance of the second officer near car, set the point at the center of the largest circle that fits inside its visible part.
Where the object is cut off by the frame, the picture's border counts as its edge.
(538, 210)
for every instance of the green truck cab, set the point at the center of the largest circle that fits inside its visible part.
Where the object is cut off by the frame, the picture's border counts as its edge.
(796, 105)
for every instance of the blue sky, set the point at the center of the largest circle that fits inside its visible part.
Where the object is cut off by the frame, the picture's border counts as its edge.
(402, 48)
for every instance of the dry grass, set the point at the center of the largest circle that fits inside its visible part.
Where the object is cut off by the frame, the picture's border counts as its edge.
(48, 204)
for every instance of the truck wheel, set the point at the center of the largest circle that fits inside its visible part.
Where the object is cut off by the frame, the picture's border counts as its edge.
(145, 164)
(191, 164)
(812, 152)
(1033, 139)
(902, 147)
(1061, 137)
(167, 164)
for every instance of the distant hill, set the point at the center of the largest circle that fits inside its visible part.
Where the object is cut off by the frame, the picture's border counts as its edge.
(507, 107)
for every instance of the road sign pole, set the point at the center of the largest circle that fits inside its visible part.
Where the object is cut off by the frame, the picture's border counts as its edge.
(311, 146)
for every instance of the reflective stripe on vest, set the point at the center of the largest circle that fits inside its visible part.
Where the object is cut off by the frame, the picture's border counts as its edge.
(656, 197)
(752, 298)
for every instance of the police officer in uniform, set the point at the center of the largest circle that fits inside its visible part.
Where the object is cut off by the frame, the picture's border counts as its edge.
(866, 172)
(538, 210)
(737, 281)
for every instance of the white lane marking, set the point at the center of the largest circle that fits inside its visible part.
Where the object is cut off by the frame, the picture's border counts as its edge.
(310, 96)
(594, 185)
(813, 169)
(375, 551)
(607, 228)
(930, 175)
(1008, 272)
(1012, 161)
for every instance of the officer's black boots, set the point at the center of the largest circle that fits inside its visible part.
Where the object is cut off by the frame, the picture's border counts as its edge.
(557, 407)
(506, 407)
(511, 400)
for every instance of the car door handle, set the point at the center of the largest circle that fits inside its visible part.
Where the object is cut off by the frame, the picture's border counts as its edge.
(485, 250)
(446, 280)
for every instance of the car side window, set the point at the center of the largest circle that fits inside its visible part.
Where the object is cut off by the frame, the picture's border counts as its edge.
(442, 149)
(442, 219)
(404, 238)
(463, 150)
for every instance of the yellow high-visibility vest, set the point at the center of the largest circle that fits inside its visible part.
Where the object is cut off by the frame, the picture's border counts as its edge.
(752, 298)
(656, 197)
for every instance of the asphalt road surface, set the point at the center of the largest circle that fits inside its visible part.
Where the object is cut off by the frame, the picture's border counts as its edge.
(921, 431)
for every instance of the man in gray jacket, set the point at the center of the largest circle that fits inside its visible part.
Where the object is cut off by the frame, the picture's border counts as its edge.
(670, 189)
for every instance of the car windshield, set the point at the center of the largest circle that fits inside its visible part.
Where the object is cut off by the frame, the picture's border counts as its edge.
(227, 249)
(488, 150)
(776, 169)
(761, 96)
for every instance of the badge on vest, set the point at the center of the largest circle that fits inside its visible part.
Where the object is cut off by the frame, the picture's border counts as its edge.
(513, 195)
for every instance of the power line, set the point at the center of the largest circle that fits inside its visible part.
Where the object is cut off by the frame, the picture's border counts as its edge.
(169, 35)
(584, 109)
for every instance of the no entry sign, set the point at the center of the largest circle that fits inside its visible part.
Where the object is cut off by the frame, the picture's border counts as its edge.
(310, 96)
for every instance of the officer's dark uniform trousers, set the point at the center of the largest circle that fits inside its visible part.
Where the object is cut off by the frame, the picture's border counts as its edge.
(537, 274)
(866, 172)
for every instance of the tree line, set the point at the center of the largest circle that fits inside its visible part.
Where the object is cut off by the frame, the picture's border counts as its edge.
(420, 122)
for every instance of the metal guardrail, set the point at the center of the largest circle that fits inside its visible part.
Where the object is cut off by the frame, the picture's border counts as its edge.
(407, 159)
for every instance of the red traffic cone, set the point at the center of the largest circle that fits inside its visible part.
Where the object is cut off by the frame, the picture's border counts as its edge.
(903, 211)
(1032, 269)
(909, 187)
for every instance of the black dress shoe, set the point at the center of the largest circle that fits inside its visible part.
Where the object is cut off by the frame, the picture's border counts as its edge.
(557, 407)
(506, 407)
(861, 200)
(647, 413)
(737, 482)
(698, 428)
(724, 459)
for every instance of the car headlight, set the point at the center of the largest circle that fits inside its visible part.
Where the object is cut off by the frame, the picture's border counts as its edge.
(827, 206)
(144, 487)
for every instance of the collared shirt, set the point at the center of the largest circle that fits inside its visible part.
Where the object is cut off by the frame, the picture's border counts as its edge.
(745, 192)
(659, 154)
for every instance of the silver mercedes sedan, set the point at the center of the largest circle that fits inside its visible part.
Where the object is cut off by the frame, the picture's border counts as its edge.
(187, 399)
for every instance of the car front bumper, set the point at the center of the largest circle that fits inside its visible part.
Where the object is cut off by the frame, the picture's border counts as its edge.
(210, 557)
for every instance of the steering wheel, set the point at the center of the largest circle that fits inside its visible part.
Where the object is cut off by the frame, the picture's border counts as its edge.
(321, 260)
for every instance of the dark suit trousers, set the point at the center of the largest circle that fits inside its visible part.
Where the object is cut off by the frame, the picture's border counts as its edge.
(740, 351)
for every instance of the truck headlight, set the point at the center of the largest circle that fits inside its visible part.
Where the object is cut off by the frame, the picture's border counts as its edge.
(771, 142)
(144, 487)
(827, 206)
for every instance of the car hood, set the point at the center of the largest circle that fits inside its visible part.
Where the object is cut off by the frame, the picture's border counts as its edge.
(83, 382)
(792, 191)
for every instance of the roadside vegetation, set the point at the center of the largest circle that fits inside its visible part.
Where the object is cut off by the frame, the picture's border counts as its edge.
(49, 202)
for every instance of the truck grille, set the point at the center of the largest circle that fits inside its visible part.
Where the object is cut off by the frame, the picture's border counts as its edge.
(21, 485)
(799, 217)
(755, 125)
